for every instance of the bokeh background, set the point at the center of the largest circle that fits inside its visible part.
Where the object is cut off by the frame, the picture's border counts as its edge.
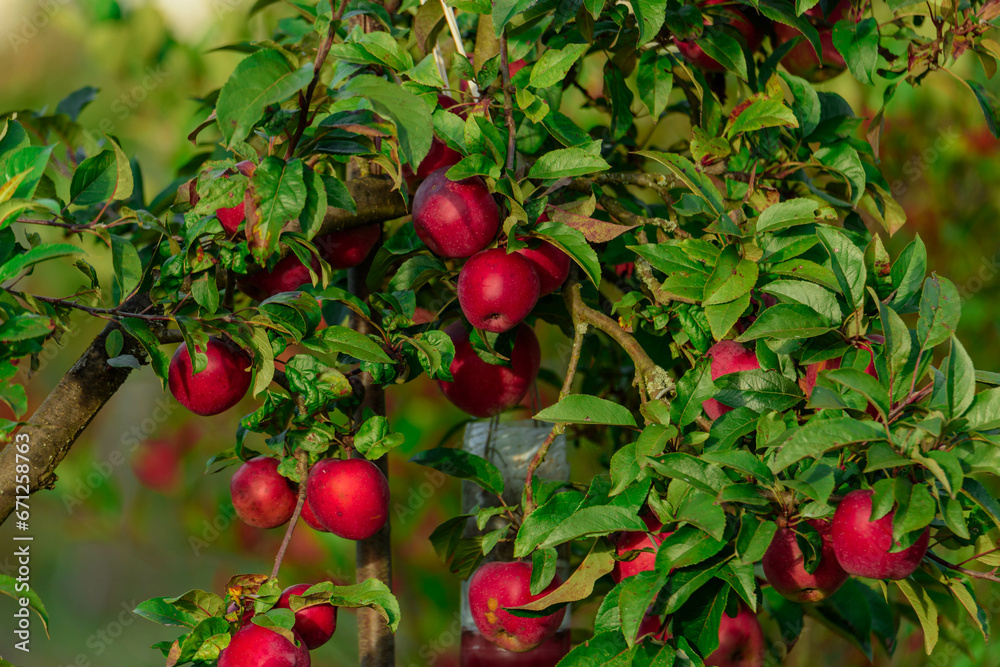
(133, 515)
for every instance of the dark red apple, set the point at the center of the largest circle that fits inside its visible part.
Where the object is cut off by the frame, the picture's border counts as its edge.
(232, 217)
(157, 466)
(862, 545)
(255, 646)
(784, 566)
(350, 497)
(651, 625)
(741, 642)
(550, 263)
(220, 386)
(727, 356)
(497, 290)
(262, 497)
(808, 383)
(697, 57)
(482, 389)
(635, 541)
(455, 218)
(497, 585)
(802, 60)
(288, 275)
(477, 651)
(348, 248)
(439, 155)
(315, 624)
(310, 517)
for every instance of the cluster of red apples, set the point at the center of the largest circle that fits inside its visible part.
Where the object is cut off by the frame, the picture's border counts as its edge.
(801, 60)
(257, 646)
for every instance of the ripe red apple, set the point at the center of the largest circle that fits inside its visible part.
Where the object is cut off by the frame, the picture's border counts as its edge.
(315, 624)
(727, 356)
(219, 387)
(232, 217)
(697, 57)
(497, 290)
(808, 383)
(157, 466)
(862, 546)
(550, 263)
(651, 625)
(255, 646)
(741, 642)
(482, 389)
(350, 497)
(288, 275)
(497, 585)
(477, 651)
(784, 566)
(262, 497)
(633, 541)
(439, 155)
(348, 248)
(310, 517)
(802, 60)
(455, 218)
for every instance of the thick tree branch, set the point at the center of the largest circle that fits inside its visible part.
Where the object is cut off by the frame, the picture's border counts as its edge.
(67, 411)
(376, 202)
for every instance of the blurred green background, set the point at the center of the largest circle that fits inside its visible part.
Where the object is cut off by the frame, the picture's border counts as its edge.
(104, 541)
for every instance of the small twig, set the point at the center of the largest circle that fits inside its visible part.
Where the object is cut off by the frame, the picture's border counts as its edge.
(302, 458)
(306, 102)
(115, 312)
(980, 555)
(989, 576)
(508, 105)
(529, 496)
(909, 400)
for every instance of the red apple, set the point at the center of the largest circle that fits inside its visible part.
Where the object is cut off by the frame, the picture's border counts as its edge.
(348, 248)
(727, 356)
(550, 263)
(262, 497)
(651, 625)
(220, 386)
(255, 646)
(310, 517)
(482, 389)
(497, 290)
(350, 497)
(862, 545)
(784, 566)
(697, 57)
(477, 651)
(802, 60)
(232, 217)
(440, 155)
(741, 642)
(455, 218)
(635, 541)
(315, 624)
(288, 275)
(157, 466)
(497, 585)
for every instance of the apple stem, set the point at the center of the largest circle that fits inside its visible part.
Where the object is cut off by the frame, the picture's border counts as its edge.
(508, 105)
(302, 469)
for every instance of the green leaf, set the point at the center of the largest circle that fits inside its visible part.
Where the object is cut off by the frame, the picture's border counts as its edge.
(127, 268)
(159, 610)
(654, 81)
(858, 43)
(803, 269)
(698, 620)
(723, 318)
(554, 65)
(650, 15)
(848, 264)
(864, 384)
(820, 299)
(732, 278)
(573, 243)
(564, 162)
(413, 119)
(97, 179)
(280, 194)
(582, 409)
(787, 214)
(25, 326)
(538, 525)
(263, 78)
(741, 460)
(761, 113)
(158, 359)
(353, 343)
(984, 413)
(19, 591)
(940, 311)
(758, 390)
(698, 473)
(925, 608)
(374, 438)
(462, 465)
(786, 320)
(505, 10)
(684, 170)
(842, 158)
(370, 593)
(819, 436)
(314, 209)
(990, 105)
(597, 563)
(960, 380)
(18, 263)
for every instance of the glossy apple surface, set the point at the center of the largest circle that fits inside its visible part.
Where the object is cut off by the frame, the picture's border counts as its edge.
(862, 546)
(497, 585)
(220, 386)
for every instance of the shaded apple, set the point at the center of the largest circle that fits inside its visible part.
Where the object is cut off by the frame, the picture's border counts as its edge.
(157, 466)
(455, 218)
(497, 585)
(440, 154)
(741, 642)
(802, 60)
(348, 248)
(220, 386)
(255, 646)
(497, 290)
(808, 382)
(350, 497)
(477, 651)
(549, 262)
(310, 517)
(862, 546)
(314, 624)
(482, 389)
(727, 356)
(262, 497)
(697, 57)
(784, 566)
(653, 625)
(646, 560)
(231, 217)
(288, 275)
